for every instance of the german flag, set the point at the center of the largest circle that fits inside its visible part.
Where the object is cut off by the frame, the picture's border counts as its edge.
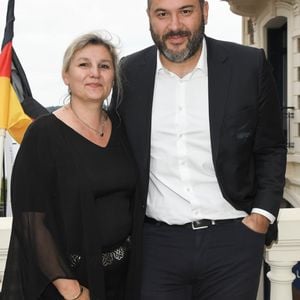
(17, 107)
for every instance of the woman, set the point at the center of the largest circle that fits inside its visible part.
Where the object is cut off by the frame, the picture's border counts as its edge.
(73, 187)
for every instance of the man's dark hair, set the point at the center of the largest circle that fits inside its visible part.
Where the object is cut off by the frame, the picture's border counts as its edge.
(200, 1)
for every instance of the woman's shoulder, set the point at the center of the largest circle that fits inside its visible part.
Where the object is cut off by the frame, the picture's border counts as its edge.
(115, 118)
(113, 115)
(42, 126)
(42, 120)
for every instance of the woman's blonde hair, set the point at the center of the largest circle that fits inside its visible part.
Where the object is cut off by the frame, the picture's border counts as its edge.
(94, 38)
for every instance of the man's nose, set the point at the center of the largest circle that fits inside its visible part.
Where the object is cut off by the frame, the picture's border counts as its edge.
(175, 22)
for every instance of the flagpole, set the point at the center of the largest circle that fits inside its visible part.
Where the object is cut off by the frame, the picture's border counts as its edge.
(2, 142)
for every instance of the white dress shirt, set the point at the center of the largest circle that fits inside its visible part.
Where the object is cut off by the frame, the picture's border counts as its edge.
(183, 186)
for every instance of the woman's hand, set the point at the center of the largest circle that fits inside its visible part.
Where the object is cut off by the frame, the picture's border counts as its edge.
(70, 289)
(85, 294)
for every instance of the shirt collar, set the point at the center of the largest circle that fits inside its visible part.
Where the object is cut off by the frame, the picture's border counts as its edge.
(201, 65)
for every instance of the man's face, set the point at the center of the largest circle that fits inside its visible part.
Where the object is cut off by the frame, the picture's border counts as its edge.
(177, 27)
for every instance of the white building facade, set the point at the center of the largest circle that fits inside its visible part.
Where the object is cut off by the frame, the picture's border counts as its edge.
(274, 25)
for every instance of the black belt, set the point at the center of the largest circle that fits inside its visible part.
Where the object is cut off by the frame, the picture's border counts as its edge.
(199, 224)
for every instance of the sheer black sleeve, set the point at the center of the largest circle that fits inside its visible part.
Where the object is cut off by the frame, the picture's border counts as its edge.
(34, 259)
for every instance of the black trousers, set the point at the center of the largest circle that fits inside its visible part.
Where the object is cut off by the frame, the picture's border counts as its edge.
(221, 262)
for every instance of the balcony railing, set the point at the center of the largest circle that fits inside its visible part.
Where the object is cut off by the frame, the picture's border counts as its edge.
(5, 228)
(284, 254)
(288, 115)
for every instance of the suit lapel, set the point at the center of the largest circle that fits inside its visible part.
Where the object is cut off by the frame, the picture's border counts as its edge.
(145, 90)
(139, 108)
(219, 74)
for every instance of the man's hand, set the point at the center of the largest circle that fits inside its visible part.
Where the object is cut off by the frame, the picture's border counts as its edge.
(257, 223)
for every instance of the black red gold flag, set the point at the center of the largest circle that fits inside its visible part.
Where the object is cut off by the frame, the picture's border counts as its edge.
(17, 107)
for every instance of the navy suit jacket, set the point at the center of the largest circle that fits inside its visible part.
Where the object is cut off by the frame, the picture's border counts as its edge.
(248, 145)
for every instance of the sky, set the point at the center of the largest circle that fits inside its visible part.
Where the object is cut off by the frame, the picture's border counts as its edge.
(43, 30)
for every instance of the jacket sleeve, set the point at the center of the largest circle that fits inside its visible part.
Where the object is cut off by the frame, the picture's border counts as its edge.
(269, 143)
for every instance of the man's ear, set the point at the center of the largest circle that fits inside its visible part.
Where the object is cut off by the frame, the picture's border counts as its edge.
(205, 12)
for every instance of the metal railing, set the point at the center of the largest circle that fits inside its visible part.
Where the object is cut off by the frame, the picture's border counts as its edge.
(288, 115)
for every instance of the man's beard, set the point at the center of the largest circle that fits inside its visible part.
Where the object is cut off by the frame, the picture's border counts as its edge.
(193, 45)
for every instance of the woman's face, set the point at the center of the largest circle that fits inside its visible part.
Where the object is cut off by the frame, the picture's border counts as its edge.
(91, 73)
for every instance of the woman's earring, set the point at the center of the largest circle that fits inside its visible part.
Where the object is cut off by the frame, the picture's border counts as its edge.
(105, 103)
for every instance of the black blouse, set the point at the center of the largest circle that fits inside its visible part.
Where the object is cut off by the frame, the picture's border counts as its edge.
(112, 181)
(68, 196)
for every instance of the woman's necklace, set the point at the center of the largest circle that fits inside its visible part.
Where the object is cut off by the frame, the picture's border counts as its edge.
(103, 120)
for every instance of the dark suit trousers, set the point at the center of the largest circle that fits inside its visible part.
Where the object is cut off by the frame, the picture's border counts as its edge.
(221, 262)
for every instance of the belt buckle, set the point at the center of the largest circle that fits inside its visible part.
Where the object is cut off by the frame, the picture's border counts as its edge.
(197, 224)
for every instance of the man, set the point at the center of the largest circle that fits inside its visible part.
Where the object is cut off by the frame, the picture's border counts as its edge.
(204, 123)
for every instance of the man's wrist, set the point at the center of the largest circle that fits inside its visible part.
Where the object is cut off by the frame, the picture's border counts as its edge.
(260, 219)
(257, 222)
(265, 213)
